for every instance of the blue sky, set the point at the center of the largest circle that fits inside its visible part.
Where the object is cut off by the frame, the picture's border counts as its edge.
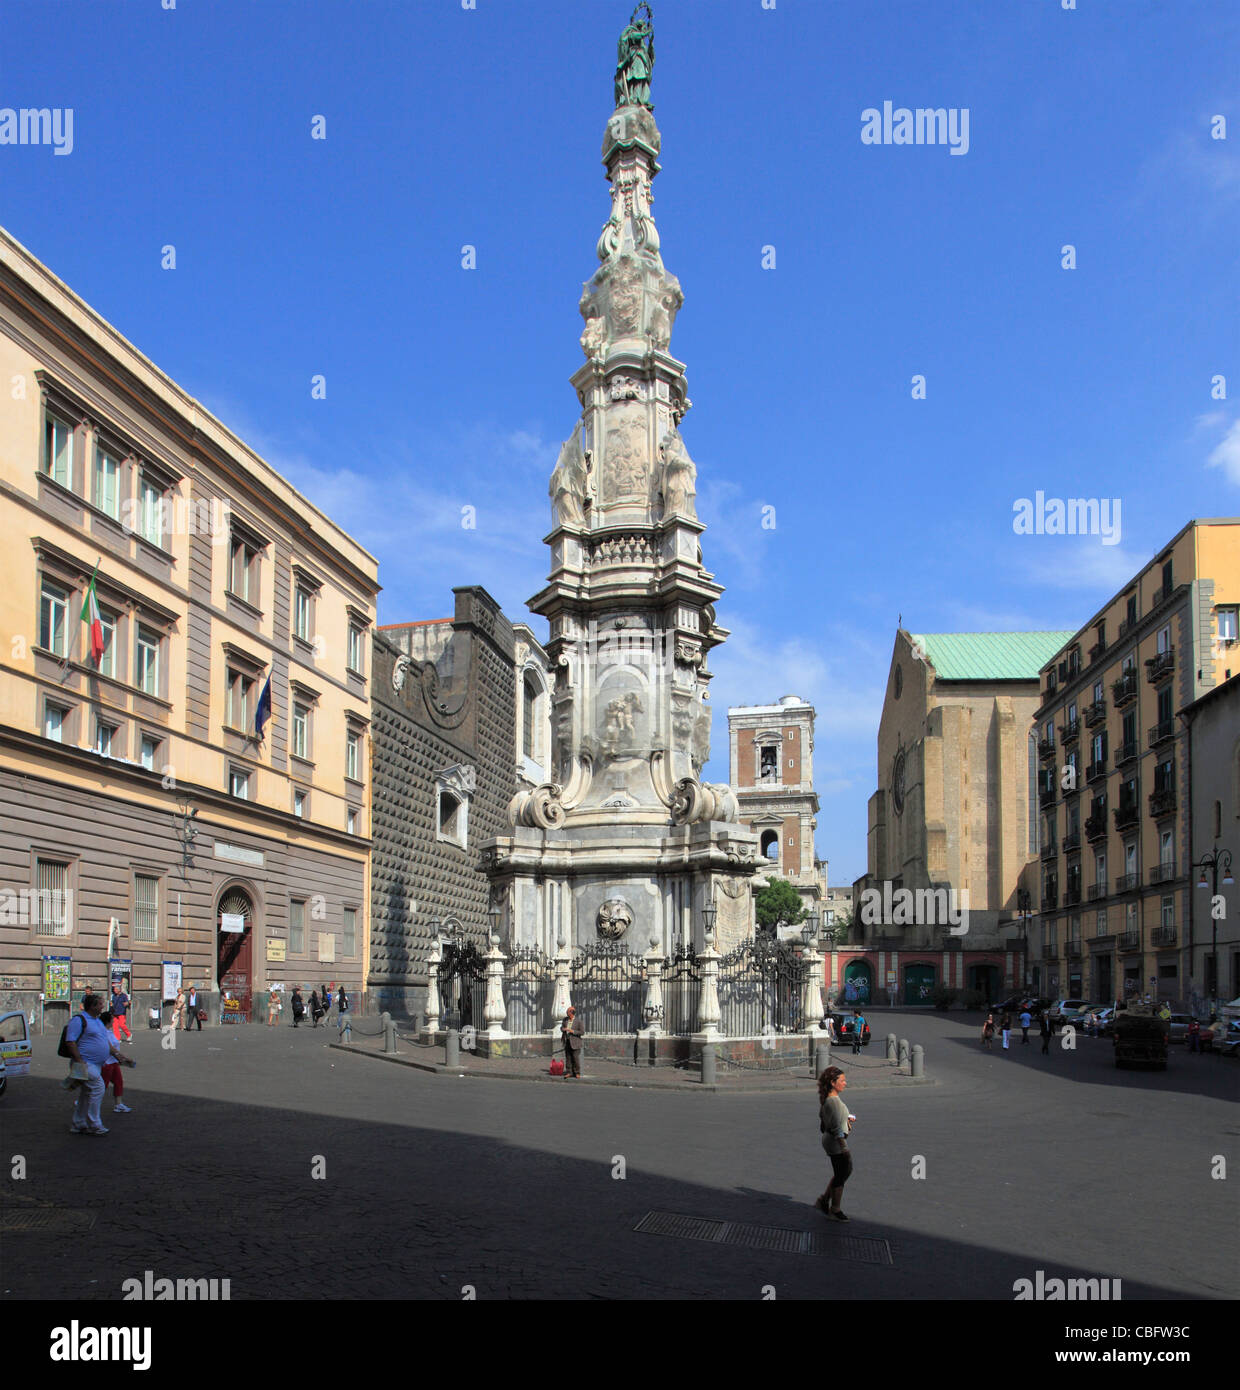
(449, 388)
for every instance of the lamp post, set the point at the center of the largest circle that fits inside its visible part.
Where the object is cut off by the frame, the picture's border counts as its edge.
(496, 913)
(1024, 905)
(1220, 859)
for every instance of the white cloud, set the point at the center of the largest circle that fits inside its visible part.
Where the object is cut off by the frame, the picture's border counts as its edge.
(1226, 454)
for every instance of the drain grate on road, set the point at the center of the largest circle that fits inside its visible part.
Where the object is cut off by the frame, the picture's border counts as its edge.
(58, 1220)
(863, 1249)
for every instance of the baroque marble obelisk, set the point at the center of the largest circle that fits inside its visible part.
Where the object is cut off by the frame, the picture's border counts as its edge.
(627, 843)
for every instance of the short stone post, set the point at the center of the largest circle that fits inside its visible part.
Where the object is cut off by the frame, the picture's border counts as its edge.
(891, 1048)
(433, 958)
(821, 1058)
(452, 1049)
(919, 1060)
(904, 1052)
(652, 1008)
(708, 1064)
(709, 1013)
(561, 999)
(389, 1033)
(495, 1011)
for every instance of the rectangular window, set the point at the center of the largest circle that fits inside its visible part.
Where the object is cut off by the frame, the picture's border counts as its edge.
(150, 517)
(1168, 911)
(299, 805)
(239, 783)
(104, 736)
(1164, 705)
(240, 689)
(352, 757)
(53, 618)
(146, 671)
(301, 613)
(296, 928)
(145, 908)
(107, 660)
(1130, 615)
(1130, 858)
(355, 649)
(351, 823)
(150, 751)
(107, 482)
(1100, 926)
(243, 572)
(349, 946)
(1164, 640)
(54, 717)
(1227, 624)
(50, 909)
(301, 731)
(1166, 848)
(1097, 692)
(1166, 580)
(58, 450)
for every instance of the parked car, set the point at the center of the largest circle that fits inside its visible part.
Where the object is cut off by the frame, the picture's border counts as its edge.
(1179, 1027)
(1077, 1018)
(1101, 1022)
(1222, 1035)
(15, 1048)
(1061, 1009)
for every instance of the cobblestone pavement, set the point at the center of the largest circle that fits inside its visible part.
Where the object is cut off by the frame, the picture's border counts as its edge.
(431, 1183)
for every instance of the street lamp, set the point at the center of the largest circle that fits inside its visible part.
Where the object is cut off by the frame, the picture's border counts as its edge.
(1024, 905)
(708, 924)
(496, 913)
(809, 932)
(1220, 859)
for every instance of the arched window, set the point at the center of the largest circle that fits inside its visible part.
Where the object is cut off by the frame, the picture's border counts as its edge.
(529, 705)
(770, 844)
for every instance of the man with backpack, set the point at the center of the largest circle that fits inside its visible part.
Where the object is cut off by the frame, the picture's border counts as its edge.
(87, 1043)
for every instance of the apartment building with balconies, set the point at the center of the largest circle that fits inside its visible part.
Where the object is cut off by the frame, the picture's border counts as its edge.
(184, 684)
(1114, 833)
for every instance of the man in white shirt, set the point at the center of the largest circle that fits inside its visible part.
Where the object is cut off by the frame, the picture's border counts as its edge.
(91, 1045)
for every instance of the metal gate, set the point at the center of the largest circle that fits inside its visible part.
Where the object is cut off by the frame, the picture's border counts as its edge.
(682, 989)
(761, 986)
(462, 986)
(529, 988)
(607, 983)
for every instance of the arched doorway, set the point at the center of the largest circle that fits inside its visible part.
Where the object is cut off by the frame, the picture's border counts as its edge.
(918, 983)
(985, 978)
(234, 924)
(858, 981)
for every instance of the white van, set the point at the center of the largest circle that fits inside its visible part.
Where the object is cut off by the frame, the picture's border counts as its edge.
(15, 1047)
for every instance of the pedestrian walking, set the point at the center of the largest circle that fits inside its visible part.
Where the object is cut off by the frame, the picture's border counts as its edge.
(316, 1008)
(1045, 1030)
(193, 1010)
(342, 1001)
(829, 1024)
(91, 1047)
(327, 997)
(858, 1030)
(988, 1032)
(834, 1124)
(1005, 1025)
(178, 1008)
(1194, 1035)
(273, 1008)
(111, 1072)
(572, 1032)
(299, 1006)
(119, 1008)
(1026, 1018)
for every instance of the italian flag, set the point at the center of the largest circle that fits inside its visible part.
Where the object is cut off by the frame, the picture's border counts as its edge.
(90, 614)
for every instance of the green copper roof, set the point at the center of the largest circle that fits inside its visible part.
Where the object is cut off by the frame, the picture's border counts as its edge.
(989, 656)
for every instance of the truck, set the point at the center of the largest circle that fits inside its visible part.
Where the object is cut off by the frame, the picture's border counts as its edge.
(1141, 1037)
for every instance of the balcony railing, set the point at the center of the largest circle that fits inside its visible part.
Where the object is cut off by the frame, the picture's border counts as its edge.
(1126, 814)
(1125, 883)
(1068, 732)
(1125, 628)
(1124, 690)
(1159, 667)
(1046, 748)
(1072, 949)
(1164, 936)
(1071, 841)
(1050, 951)
(1050, 851)
(1050, 901)
(1160, 733)
(1162, 801)
(1046, 795)
(1129, 940)
(1162, 873)
(1127, 751)
(1095, 713)
(1096, 825)
(1097, 890)
(1096, 771)
(1161, 595)
(1071, 897)
(1096, 650)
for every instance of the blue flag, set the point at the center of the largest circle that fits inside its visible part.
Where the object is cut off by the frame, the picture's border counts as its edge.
(263, 713)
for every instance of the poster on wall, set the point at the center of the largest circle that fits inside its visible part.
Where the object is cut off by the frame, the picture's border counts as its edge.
(327, 948)
(56, 979)
(120, 972)
(172, 979)
(232, 921)
(275, 948)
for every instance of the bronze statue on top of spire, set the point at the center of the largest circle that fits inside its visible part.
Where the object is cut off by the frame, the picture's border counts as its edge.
(636, 62)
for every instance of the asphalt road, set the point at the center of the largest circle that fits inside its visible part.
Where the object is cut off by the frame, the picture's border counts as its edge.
(433, 1184)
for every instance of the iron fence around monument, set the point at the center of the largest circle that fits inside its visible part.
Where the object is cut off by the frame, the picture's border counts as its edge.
(761, 987)
(682, 991)
(529, 991)
(462, 986)
(607, 983)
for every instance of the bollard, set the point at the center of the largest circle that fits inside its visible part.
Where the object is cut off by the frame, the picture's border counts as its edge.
(919, 1060)
(452, 1049)
(822, 1056)
(904, 1052)
(891, 1048)
(389, 1033)
(708, 1064)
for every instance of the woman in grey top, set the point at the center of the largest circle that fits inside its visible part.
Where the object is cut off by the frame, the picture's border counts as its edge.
(834, 1121)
